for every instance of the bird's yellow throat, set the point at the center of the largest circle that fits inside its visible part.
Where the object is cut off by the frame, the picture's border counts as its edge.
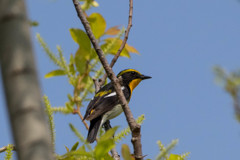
(134, 83)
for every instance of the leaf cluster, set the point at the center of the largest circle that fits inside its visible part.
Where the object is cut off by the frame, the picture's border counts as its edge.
(165, 152)
(8, 154)
(82, 66)
(104, 144)
(230, 81)
(125, 132)
(84, 63)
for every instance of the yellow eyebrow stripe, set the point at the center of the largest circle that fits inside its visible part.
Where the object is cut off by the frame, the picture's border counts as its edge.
(128, 70)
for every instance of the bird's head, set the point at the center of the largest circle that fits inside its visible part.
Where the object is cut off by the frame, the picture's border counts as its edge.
(132, 77)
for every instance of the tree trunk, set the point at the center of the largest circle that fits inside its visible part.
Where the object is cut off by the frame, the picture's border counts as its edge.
(25, 108)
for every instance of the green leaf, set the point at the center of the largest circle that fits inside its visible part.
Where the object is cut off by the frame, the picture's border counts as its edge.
(82, 149)
(33, 23)
(98, 24)
(81, 38)
(80, 136)
(8, 152)
(103, 148)
(126, 152)
(50, 54)
(107, 157)
(81, 59)
(114, 49)
(71, 65)
(127, 47)
(93, 54)
(77, 133)
(175, 157)
(236, 81)
(49, 112)
(54, 73)
(109, 134)
(83, 53)
(74, 147)
(86, 80)
(165, 150)
(81, 153)
(63, 110)
(123, 133)
(185, 155)
(67, 149)
(105, 143)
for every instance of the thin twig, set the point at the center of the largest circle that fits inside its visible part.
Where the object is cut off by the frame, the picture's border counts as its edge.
(123, 42)
(135, 128)
(3, 149)
(96, 84)
(77, 111)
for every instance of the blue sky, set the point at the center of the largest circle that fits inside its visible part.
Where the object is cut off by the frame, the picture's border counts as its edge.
(179, 41)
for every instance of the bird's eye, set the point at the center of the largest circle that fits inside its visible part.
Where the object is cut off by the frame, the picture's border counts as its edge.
(133, 73)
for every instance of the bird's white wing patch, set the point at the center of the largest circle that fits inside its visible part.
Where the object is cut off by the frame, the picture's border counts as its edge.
(110, 95)
(114, 93)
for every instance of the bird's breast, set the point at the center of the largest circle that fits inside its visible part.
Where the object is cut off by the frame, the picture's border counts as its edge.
(116, 111)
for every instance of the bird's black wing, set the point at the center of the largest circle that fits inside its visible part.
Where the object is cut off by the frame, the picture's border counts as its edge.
(96, 99)
(102, 104)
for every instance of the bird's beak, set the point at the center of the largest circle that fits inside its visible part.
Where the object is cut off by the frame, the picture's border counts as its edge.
(145, 77)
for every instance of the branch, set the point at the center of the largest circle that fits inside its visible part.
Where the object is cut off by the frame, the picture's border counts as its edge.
(77, 111)
(123, 43)
(96, 84)
(135, 128)
(3, 149)
(21, 85)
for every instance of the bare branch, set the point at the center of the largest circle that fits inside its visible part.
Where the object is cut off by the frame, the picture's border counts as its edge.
(97, 85)
(3, 149)
(77, 111)
(135, 128)
(123, 43)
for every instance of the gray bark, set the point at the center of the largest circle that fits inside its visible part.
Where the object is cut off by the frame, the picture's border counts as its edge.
(21, 86)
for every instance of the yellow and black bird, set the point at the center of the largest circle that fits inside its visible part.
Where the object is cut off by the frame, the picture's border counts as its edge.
(105, 105)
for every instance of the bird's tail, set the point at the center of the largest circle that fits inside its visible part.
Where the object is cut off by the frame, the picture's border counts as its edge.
(93, 130)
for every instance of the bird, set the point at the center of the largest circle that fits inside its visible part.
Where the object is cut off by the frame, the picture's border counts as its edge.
(106, 105)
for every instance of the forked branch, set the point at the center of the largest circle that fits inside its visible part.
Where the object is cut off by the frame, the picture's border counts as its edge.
(135, 128)
(114, 60)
